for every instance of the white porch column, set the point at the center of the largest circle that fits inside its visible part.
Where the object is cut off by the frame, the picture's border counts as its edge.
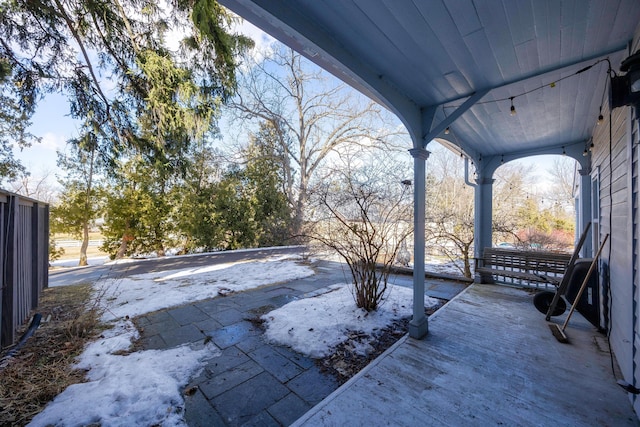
(584, 211)
(419, 325)
(483, 219)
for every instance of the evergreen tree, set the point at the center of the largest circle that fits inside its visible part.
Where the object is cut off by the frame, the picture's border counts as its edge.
(14, 121)
(265, 177)
(113, 62)
(79, 203)
(233, 213)
(138, 209)
(193, 210)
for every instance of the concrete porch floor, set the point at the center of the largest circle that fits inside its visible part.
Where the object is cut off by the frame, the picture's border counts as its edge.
(489, 359)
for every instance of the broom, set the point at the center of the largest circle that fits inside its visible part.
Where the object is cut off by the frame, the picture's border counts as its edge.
(556, 330)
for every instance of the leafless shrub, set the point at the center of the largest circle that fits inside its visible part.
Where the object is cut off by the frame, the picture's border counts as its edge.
(365, 220)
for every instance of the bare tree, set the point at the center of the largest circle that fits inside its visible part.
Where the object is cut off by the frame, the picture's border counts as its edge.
(510, 196)
(563, 170)
(450, 214)
(450, 206)
(560, 195)
(364, 215)
(39, 188)
(312, 115)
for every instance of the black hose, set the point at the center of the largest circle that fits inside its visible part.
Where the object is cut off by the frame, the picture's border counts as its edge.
(35, 323)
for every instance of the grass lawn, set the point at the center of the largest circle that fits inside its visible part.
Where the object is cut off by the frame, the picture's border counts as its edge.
(72, 251)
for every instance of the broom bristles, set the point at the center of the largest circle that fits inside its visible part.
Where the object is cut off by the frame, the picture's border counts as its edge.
(558, 333)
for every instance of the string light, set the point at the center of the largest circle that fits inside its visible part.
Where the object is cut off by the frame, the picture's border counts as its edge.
(600, 117)
(502, 160)
(447, 130)
(564, 152)
(551, 84)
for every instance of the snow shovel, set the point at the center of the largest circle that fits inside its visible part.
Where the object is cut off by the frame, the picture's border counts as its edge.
(556, 330)
(554, 309)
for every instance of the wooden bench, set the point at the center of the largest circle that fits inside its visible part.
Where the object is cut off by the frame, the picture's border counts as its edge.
(513, 266)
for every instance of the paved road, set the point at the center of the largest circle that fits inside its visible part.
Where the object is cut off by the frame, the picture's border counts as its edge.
(93, 273)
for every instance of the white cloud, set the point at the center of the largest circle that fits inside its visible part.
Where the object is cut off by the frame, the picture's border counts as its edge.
(51, 141)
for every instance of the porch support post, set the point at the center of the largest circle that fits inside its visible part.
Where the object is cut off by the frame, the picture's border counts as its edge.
(419, 325)
(483, 220)
(584, 211)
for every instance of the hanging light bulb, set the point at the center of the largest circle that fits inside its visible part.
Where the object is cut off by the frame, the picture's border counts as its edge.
(591, 146)
(600, 117)
(502, 160)
(447, 130)
(513, 108)
(585, 153)
(564, 152)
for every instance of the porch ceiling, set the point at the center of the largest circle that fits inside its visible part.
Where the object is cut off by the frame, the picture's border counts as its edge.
(422, 57)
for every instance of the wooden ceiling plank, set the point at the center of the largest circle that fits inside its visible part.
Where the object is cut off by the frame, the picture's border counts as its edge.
(442, 24)
(520, 19)
(547, 24)
(427, 78)
(527, 54)
(496, 25)
(464, 15)
(478, 44)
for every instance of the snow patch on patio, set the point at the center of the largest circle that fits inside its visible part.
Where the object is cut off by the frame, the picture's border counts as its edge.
(141, 388)
(314, 326)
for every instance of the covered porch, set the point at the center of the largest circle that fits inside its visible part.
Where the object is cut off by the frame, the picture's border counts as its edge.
(496, 81)
(489, 359)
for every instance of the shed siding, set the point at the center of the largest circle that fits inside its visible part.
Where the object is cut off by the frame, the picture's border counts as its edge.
(24, 238)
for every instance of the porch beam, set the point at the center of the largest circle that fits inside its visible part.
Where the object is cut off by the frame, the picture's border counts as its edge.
(440, 127)
(543, 71)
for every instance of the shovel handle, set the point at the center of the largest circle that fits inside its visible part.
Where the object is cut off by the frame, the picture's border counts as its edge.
(584, 282)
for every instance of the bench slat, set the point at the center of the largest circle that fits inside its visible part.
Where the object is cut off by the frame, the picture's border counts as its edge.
(523, 265)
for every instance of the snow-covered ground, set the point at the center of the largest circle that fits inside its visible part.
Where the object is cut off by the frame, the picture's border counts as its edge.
(443, 266)
(431, 264)
(143, 388)
(144, 293)
(314, 326)
(137, 389)
(73, 262)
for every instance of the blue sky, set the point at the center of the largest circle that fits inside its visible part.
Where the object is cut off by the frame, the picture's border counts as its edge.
(53, 125)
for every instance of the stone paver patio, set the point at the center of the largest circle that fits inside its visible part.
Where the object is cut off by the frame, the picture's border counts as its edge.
(252, 382)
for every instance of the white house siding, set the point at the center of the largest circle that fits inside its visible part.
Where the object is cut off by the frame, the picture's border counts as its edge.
(634, 154)
(613, 161)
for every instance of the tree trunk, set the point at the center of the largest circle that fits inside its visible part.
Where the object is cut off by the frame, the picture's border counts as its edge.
(122, 250)
(85, 245)
(467, 264)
